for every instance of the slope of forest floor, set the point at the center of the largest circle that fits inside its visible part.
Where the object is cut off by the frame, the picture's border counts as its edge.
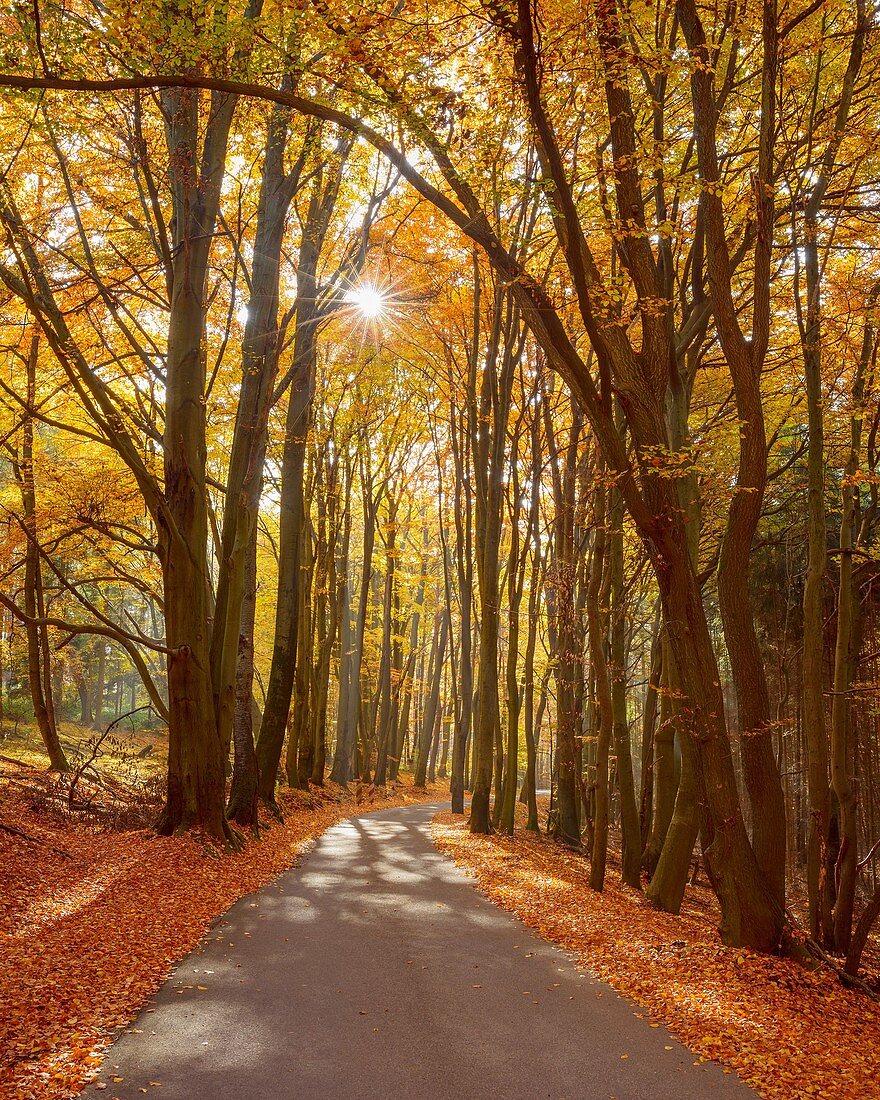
(787, 1031)
(93, 918)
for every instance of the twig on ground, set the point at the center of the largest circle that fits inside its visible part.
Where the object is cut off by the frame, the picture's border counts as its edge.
(34, 840)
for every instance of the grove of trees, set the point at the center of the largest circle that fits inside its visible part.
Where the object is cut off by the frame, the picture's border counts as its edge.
(488, 390)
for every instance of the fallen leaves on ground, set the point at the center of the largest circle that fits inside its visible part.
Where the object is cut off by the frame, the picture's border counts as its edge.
(87, 936)
(788, 1032)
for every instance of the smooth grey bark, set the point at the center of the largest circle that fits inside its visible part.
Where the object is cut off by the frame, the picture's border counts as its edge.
(566, 632)
(292, 504)
(371, 495)
(668, 881)
(259, 368)
(597, 638)
(36, 635)
(432, 704)
(196, 754)
(649, 723)
(390, 652)
(846, 649)
(528, 793)
(406, 680)
(341, 770)
(463, 515)
(243, 802)
(488, 443)
(824, 923)
(516, 571)
(629, 814)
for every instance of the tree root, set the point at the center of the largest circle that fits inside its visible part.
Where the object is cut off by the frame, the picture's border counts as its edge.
(274, 809)
(810, 953)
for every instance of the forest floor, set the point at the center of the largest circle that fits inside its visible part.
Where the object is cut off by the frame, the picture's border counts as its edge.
(94, 913)
(787, 1031)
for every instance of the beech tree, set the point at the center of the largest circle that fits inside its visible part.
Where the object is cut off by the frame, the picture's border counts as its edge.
(545, 452)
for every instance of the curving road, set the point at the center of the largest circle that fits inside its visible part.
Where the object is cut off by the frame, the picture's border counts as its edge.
(374, 970)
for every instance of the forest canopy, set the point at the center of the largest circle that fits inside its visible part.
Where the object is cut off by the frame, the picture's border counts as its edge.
(488, 391)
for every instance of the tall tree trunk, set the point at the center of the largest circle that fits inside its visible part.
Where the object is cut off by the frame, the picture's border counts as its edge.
(196, 752)
(341, 770)
(487, 442)
(280, 685)
(846, 651)
(649, 724)
(566, 640)
(515, 579)
(749, 913)
(292, 505)
(386, 687)
(629, 814)
(259, 367)
(448, 718)
(300, 747)
(745, 360)
(100, 685)
(435, 743)
(38, 654)
(406, 681)
(670, 875)
(85, 700)
(820, 884)
(328, 616)
(528, 794)
(604, 703)
(664, 772)
(432, 707)
(463, 514)
(242, 807)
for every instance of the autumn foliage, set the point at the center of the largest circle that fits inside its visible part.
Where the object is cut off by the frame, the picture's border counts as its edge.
(490, 391)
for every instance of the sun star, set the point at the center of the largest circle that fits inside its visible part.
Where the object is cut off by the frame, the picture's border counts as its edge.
(370, 302)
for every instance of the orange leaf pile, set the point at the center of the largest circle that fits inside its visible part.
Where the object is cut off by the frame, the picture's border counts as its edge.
(85, 939)
(787, 1031)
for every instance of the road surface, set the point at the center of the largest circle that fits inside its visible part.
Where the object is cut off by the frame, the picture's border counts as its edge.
(375, 969)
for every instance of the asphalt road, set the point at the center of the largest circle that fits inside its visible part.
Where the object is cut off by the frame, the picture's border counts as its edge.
(374, 970)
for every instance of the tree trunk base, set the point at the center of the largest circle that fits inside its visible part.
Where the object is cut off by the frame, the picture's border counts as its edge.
(480, 821)
(174, 822)
(243, 810)
(274, 809)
